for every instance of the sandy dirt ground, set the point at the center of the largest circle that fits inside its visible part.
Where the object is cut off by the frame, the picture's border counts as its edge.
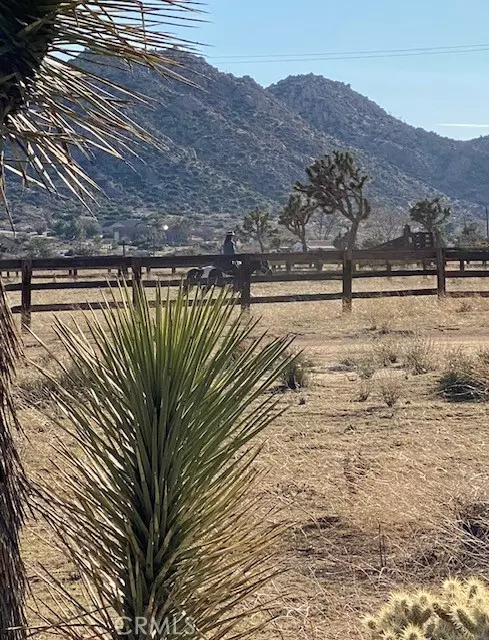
(373, 495)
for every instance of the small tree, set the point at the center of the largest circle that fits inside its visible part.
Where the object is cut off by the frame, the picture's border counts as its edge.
(431, 215)
(336, 185)
(470, 236)
(296, 216)
(257, 227)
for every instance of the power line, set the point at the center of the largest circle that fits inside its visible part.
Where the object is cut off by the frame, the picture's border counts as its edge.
(352, 55)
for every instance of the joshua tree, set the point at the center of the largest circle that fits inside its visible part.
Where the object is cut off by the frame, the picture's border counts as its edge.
(336, 186)
(431, 215)
(155, 504)
(50, 105)
(13, 488)
(296, 215)
(257, 226)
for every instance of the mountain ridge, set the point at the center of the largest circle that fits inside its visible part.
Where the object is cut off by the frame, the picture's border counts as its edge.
(233, 145)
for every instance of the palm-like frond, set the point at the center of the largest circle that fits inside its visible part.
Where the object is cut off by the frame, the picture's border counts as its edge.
(158, 519)
(51, 104)
(13, 487)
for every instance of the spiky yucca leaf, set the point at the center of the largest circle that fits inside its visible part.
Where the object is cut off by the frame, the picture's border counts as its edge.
(51, 104)
(13, 487)
(154, 504)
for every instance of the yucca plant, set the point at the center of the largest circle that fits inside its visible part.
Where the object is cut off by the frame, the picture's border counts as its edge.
(52, 103)
(154, 502)
(13, 487)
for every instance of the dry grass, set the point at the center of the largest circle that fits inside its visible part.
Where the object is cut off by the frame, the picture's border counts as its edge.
(376, 497)
(390, 386)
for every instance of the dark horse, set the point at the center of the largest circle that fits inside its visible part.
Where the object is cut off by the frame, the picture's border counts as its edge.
(225, 271)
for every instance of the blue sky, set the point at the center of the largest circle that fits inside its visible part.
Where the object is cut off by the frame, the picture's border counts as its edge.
(426, 91)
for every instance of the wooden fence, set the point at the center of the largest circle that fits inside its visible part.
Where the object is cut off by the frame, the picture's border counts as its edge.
(362, 264)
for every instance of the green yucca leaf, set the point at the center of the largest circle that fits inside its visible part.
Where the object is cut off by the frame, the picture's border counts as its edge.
(155, 501)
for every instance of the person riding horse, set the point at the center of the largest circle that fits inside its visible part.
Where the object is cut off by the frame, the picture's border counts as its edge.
(228, 265)
(216, 274)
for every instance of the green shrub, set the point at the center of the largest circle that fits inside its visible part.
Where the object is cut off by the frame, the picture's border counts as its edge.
(460, 611)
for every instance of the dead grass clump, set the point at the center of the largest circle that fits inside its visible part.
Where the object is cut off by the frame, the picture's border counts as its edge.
(465, 306)
(380, 318)
(473, 519)
(420, 355)
(36, 387)
(297, 374)
(364, 390)
(388, 350)
(366, 366)
(390, 386)
(466, 378)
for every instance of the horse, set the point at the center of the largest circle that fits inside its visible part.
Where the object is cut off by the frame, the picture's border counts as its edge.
(224, 272)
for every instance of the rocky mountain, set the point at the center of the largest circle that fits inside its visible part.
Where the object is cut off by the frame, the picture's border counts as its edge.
(232, 145)
(458, 169)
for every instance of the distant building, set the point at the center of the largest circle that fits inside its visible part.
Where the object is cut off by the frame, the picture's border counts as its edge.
(312, 245)
(320, 245)
(126, 230)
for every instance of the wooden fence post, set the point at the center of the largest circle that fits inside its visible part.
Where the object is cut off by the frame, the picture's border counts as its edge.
(26, 293)
(440, 273)
(245, 283)
(137, 271)
(347, 283)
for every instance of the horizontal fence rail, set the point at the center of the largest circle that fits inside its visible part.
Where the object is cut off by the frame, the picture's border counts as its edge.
(371, 263)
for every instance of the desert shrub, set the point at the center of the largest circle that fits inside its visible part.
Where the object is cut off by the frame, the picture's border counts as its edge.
(297, 373)
(380, 318)
(465, 306)
(466, 377)
(390, 387)
(366, 366)
(420, 354)
(460, 611)
(462, 387)
(38, 386)
(388, 350)
(472, 518)
(364, 390)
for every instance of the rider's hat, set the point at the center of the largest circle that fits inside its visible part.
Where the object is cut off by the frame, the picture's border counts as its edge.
(230, 233)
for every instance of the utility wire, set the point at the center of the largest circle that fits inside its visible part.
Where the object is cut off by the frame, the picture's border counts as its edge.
(352, 55)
